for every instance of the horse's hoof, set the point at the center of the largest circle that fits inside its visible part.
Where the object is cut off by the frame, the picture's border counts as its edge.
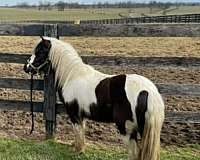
(80, 149)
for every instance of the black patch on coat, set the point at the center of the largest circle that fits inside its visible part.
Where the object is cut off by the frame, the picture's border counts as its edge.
(140, 110)
(112, 103)
(73, 110)
(103, 110)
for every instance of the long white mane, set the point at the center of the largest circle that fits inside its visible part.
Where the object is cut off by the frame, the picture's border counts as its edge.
(64, 59)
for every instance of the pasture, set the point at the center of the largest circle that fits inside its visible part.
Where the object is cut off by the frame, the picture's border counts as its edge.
(15, 14)
(51, 150)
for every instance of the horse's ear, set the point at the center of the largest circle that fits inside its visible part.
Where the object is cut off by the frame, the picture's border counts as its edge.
(46, 42)
(42, 38)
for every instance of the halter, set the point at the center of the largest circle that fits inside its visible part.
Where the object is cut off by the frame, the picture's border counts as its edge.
(40, 66)
(31, 88)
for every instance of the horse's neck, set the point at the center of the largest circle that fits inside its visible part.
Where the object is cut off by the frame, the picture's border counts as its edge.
(66, 63)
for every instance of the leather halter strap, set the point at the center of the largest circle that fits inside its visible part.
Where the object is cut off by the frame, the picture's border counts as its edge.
(39, 67)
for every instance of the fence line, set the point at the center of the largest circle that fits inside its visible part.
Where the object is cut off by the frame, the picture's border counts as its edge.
(184, 62)
(185, 18)
(114, 30)
(165, 89)
(172, 117)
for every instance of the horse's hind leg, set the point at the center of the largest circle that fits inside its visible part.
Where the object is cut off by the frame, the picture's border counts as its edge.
(131, 141)
(132, 150)
(79, 131)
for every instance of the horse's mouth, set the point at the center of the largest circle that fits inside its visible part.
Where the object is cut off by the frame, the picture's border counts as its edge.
(29, 70)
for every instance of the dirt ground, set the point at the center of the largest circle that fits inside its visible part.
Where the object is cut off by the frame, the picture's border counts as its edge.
(17, 124)
(126, 46)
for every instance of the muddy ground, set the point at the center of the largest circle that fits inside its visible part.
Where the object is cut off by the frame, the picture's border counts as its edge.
(17, 124)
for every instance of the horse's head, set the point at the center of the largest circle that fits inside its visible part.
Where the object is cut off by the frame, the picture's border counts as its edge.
(39, 59)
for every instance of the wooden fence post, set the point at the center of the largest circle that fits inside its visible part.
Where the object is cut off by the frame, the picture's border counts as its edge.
(50, 90)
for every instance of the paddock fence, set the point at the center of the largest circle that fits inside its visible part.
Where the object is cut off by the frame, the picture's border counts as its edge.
(50, 106)
(185, 18)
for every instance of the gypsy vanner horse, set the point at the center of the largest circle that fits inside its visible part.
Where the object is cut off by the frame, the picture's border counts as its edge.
(131, 101)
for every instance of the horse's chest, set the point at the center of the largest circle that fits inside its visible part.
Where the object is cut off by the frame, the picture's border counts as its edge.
(81, 91)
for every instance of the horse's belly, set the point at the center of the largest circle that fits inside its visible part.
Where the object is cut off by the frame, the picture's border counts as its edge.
(103, 113)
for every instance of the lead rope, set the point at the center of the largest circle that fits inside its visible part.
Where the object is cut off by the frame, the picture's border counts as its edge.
(31, 97)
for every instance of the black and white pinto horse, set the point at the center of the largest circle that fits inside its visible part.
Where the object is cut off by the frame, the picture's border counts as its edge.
(131, 101)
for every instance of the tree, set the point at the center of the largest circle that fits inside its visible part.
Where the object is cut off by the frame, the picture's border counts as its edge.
(60, 5)
(23, 5)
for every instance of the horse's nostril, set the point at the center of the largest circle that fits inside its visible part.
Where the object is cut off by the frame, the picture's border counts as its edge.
(26, 68)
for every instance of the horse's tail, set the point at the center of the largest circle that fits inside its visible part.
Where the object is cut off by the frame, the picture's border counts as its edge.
(154, 117)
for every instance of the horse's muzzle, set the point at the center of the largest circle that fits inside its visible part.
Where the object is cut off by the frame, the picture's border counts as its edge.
(29, 69)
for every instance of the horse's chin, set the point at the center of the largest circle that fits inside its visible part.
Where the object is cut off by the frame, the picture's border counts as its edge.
(40, 74)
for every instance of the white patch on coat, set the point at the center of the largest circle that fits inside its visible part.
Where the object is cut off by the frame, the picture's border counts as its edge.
(133, 86)
(83, 89)
(32, 58)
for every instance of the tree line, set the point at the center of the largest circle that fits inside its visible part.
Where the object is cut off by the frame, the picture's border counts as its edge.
(61, 6)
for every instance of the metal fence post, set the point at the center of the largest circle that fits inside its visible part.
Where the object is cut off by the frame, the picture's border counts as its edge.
(50, 90)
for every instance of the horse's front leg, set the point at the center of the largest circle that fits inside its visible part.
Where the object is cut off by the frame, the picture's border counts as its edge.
(79, 132)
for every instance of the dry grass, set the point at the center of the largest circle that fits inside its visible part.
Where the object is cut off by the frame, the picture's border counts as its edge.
(16, 14)
(126, 46)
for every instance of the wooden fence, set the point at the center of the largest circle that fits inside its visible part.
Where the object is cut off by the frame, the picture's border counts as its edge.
(185, 18)
(50, 107)
(126, 30)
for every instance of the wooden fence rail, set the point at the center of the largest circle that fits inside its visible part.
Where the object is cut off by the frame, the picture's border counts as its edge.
(165, 89)
(185, 62)
(185, 18)
(16, 105)
(114, 30)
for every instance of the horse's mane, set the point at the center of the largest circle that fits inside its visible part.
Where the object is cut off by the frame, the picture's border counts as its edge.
(64, 59)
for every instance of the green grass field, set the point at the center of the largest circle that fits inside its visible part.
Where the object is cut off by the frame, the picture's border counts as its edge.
(50, 150)
(14, 14)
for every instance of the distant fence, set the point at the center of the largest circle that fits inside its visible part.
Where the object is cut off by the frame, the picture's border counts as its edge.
(50, 107)
(185, 18)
